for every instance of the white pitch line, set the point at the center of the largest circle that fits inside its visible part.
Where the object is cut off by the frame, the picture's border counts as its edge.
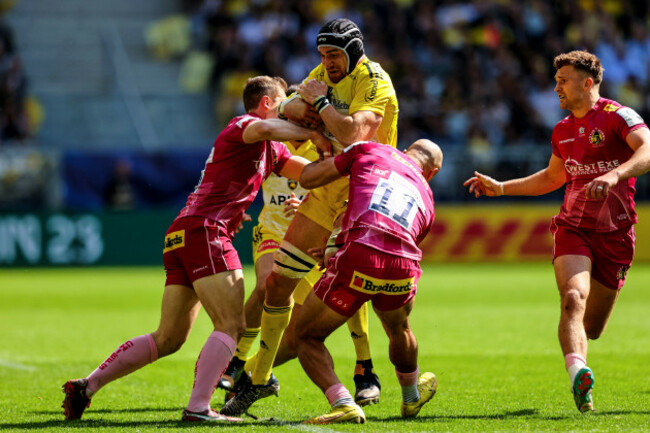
(16, 366)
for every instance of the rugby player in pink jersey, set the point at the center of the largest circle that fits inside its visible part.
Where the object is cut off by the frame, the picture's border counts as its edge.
(598, 151)
(389, 212)
(200, 261)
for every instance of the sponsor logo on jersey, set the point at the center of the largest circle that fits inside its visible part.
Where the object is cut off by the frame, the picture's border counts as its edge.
(575, 168)
(367, 284)
(381, 172)
(630, 116)
(581, 130)
(372, 94)
(292, 184)
(280, 199)
(174, 240)
(568, 140)
(611, 107)
(597, 138)
(268, 244)
(622, 272)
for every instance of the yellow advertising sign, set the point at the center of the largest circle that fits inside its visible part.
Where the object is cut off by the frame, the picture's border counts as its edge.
(509, 232)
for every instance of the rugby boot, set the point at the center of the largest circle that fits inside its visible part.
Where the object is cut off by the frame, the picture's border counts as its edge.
(427, 386)
(232, 373)
(366, 383)
(208, 415)
(240, 403)
(75, 401)
(582, 386)
(344, 413)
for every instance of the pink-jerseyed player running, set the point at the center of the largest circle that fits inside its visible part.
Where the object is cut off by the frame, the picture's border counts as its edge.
(201, 264)
(598, 151)
(389, 212)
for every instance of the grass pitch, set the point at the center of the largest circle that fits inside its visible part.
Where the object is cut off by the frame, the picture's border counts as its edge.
(488, 331)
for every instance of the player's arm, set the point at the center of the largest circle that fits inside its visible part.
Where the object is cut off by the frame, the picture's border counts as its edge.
(294, 167)
(297, 110)
(358, 126)
(281, 130)
(638, 164)
(542, 182)
(319, 173)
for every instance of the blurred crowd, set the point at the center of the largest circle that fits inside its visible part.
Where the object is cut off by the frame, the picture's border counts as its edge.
(470, 73)
(14, 123)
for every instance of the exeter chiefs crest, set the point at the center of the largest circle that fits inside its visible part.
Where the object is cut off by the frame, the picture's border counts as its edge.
(292, 184)
(597, 138)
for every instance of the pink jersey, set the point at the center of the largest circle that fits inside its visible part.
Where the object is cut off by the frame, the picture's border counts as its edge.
(233, 174)
(590, 147)
(390, 206)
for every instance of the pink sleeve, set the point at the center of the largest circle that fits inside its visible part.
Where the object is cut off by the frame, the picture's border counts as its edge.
(235, 129)
(280, 156)
(343, 162)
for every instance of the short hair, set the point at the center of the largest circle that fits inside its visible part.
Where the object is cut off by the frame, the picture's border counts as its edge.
(258, 87)
(583, 61)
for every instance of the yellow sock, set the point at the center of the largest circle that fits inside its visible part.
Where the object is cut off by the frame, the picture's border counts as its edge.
(358, 326)
(274, 321)
(246, 342)
(250, 364)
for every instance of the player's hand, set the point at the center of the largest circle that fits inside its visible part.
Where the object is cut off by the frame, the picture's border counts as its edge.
(302, 113)
(481, 184)
(244, 218)
(291, 205)
(312, 89)
(319, 254)
(599, 187)
(323, 145)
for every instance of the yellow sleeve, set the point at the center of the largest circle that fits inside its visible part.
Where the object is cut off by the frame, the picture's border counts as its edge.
(373, 92)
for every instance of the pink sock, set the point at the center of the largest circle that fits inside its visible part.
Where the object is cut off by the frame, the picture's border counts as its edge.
(407, 379)
(212, 362)
(337, 392)
(574, 359)
(130, 356)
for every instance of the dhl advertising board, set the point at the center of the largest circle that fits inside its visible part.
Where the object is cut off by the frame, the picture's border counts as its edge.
(508, 232)
(463, 233)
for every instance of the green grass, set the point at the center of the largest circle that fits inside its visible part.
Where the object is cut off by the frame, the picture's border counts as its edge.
(487, 331)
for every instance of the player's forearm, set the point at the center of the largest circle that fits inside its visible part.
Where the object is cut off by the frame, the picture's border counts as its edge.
(344, 128)
(319, 173)
(278, 130)
(536, 184)
(638, 164)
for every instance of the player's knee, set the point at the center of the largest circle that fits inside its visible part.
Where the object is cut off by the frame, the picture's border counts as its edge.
(574, 300)
(168, 344)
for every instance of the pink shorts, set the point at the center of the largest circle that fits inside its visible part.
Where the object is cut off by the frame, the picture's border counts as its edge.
(358, 273)
(196, 247)
(611, 253)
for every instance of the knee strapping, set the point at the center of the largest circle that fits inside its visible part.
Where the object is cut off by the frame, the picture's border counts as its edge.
(291, 262)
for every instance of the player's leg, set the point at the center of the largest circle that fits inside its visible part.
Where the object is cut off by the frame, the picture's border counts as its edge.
(315, 323)
(180, 306)
(600, 304)
(573, 275)
(292, 263)
(367, 385)
(253, 315)
(417, 389)
(222, 296)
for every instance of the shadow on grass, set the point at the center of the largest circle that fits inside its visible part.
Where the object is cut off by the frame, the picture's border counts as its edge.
(83, 425)
(124, 410)
(421, 418)
(531, 413)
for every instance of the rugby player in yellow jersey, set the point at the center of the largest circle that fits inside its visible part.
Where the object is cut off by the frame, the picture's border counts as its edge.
(281, 199)
(354, 99)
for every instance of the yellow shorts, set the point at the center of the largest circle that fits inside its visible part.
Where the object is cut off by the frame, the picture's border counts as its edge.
(265, 242)
(322, 205)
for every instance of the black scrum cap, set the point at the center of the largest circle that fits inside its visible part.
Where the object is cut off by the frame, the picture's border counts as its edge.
(343, 34)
